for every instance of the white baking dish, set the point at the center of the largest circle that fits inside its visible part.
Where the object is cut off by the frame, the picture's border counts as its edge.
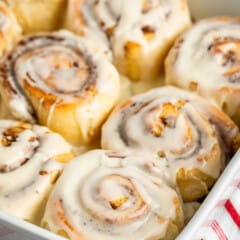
(12, 228)
(220, 189)
(205, 8)
(196, 229)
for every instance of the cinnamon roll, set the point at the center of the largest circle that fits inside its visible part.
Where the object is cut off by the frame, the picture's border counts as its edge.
(38, 15)
(79, 18)
(140, 32)
(9, 28)
(206, 59)
(62, 81)
(112, 197)
(31, 159)
(195, 137)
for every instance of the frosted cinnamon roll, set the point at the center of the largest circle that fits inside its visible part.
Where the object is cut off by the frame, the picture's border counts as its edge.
(206, 59)
(140, 32)
(112, 197)
(38, 15)
(9, 28)
(80, 19)
(145, 32)
(31, 160)
(193, 135)
(62, 81)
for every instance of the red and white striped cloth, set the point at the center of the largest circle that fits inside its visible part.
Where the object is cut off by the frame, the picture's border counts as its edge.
(223, 222)
(219, 217)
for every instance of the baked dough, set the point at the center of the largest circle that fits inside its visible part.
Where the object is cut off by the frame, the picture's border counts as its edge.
(31, 159)
(106, 195)
(193, 136)
(61, 81)
(206, 60)
(38, 15)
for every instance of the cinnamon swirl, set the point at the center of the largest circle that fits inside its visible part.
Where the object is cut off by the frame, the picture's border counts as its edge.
(193, 135)
(140, 32)
(112, 197)
(31, 159)
(79, 18)
(61, 81)
(206, 59)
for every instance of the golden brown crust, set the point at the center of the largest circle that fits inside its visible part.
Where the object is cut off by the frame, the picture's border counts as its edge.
(72, 92)
(128, 65)
(213, 55)
(38, 15)
(10, 30)
(193, 137)
(193, 184)
(127, 195)
(139, 47)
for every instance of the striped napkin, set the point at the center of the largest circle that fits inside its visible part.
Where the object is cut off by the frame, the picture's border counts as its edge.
(219, 216)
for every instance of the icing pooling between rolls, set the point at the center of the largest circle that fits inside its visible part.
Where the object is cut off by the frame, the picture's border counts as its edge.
(118, 200)
(172, 124)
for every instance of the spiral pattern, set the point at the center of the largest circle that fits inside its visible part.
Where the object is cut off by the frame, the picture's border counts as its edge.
(176, 125)
(9, 28)
(211, 49)
(112, 197)
(62, 81)
(135, 30)
(80, 19)
(29, 166)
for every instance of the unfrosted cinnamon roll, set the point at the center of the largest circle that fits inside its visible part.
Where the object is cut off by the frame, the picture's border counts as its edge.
(206, 59)
(140, 32)
(193, 135)
(38, 15)
(31, 159)
(9, 28)
(61, 81)
(106, 195)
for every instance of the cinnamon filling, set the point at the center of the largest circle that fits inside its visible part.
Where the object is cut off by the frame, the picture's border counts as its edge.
(228, 49)
(118, 193)
(10, 137)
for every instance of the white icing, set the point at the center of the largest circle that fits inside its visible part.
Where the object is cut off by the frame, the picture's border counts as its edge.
(4, 23)
(191, 137)
(20, 109)
(89, 191)
(23, 188)
(129, 29)
(101, 10)
(125, 20)
(209, 66)
(57, 69)
(89, 29)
